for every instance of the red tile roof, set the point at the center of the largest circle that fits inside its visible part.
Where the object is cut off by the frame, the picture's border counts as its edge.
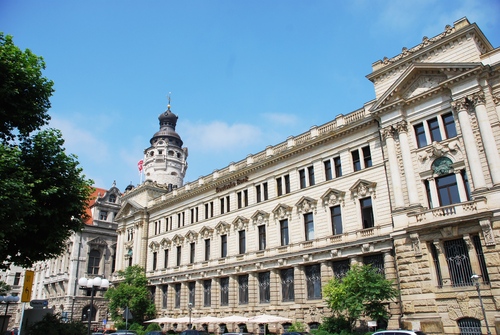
(96, 193)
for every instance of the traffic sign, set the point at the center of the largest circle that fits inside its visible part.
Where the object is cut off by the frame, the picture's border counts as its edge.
(39, 303)
(29, 275)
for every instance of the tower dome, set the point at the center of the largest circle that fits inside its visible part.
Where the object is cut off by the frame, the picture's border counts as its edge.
(165, 160)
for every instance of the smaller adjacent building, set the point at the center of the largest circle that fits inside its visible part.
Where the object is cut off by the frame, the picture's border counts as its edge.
(89, 254)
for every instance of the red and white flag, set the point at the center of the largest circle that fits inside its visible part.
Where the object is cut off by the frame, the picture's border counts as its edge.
(139, 165)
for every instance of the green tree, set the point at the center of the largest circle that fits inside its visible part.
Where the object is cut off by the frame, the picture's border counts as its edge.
(362, 292)
(133, 293)
(4, 288)
(43, 192)
(52, 324)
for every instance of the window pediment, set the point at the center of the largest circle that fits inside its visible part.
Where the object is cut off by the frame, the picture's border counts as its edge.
(191, 236)
(97, 242)
(177, 240)
(363, 188)
(222, 228)
(240, 223)
(306, 205)
(206, 232)
(332, 197)
(282, 211)
(165, 243)
(154, 246)
(260, 217)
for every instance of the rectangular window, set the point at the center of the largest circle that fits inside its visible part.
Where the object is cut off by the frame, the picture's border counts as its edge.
(223, 246)
(302, 178)
(337, 163)
(258, 193)
(94, 258)
(242, 241)
(336, 216)
(207, 293)
(165, 258)
(239, 198)
(192, 217)
(177, 295)
(279, 186)
(206, 211)
(447, 189)
(328, 169)
(228, 204)
(155, 260)
(17, 280)
(192, 293)
(356, 162)
(309, 226)
(245, 198)
(449, 125)
(103, 215)
(459, 266)
(224, 291)
(178, 260)
(262, 237)
(367, 156)
(313, 281)
(266, 193)
(243, 289)
(376, 261)
(264, 287)
(284, 232)
(164, 296)
(310, 172)
(287, 284)
(207, 249)
(222, 205)
(287, 183)
(420, 135)
(434, 130)
(367, 213)
(192, 253)
(340, 268)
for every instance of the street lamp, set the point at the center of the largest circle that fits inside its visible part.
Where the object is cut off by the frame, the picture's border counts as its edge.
(7, 300)
(95, 284)
(475, 280)
(190, 307)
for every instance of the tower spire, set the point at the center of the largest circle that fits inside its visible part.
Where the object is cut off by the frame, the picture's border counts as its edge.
(168, 96)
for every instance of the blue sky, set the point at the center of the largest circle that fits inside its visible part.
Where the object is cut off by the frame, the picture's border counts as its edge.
(242, 74)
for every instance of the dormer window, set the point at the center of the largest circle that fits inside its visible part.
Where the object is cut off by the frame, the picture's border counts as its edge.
(112, 198)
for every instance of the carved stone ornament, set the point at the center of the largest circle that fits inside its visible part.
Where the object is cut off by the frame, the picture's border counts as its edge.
(459, 105)
(489, 237)
(423, 84)
(387, 132)
(442, 166)
(496, 99)
(440, 149)
(240, 223)
(206, 232)
(154, 246)
(177, 240)
(222, 228)
(282, 211)
(363, 188)
(332, 197)
(477, 98)
(165, 243)
(415, 241)
(260, 218)
(191, 236)
(306, 205)
(401, 126)
(97, 242)
(367, 247)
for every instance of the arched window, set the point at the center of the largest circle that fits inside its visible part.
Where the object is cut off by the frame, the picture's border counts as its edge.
(469, 326)
(86, 311)
(94, 260)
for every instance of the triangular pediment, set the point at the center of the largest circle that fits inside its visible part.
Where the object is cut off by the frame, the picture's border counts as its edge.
(306, 205)
(240, 223)
(206, 232)
(98, 241)
(129, 208)
(282, 211)
(177, 239)
(332, 197)
(154, 246)
(165, 243)
(191, 236)
(420, 79)
(222, 228)
(260, 217)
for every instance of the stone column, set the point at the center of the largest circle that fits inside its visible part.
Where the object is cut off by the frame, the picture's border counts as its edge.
(411, 184)
(489, 144)
(462, 192)
(496, 101)
(460, 107)
(388, 135)
(299, 283)
(443, 264)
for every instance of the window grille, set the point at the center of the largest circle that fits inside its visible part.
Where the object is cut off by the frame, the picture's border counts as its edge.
(287, 285)
(469, 326)
(265, 287)
(243, 289)
(457, 256)
(376, 261)
(224, 291)
(340, 268)
(313, 280)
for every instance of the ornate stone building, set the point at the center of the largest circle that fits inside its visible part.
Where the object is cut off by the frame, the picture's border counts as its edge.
(89, 254)
(408, 183)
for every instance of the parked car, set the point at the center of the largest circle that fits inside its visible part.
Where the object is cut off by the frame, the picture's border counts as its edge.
(296, 333)
(399, 332)
(155, 332)
(194, 332)
(124, 332)
(238, 333)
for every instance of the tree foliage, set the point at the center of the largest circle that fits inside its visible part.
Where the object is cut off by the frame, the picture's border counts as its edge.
(133, 293)
(43, 191)
(4, 288)
(363, 291)
(52, 324)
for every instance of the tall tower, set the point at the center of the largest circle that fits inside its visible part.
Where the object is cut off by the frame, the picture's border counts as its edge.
(165, 160)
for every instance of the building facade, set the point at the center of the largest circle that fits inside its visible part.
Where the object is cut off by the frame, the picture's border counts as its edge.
(408, 183)
(89, 254)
